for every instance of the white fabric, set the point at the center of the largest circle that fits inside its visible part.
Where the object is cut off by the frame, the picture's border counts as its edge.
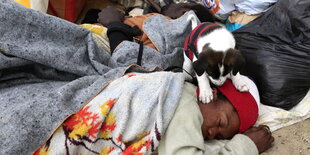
(252, 7)
(39, 5)
(223, 8)
(277, 118)
(252, 89)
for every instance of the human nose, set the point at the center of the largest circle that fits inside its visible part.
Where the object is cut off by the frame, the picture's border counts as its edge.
(212, 132)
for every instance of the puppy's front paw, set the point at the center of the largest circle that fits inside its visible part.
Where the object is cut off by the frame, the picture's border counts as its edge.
(205, 95)
(241, 85)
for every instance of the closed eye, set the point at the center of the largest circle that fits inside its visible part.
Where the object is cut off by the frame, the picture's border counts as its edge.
(219, 136)
(219, 122)
(213, 72)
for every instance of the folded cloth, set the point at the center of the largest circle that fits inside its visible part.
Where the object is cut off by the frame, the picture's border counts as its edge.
(99, 35)
(241, 18)
(252, 7)
(277, 118)
(238, 19)
(222, 8)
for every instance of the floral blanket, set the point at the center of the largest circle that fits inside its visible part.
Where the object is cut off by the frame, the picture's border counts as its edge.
(129, 116)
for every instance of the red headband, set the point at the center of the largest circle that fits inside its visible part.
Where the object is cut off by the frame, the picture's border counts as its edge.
(244, 104)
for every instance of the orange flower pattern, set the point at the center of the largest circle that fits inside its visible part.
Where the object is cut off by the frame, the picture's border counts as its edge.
(85, 127)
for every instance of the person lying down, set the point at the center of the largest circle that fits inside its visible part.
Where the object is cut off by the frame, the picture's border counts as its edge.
(159, 112)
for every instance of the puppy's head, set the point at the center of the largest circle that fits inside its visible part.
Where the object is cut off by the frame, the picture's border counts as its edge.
(218, 64)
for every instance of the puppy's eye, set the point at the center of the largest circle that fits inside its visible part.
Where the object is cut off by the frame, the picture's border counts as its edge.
(227, 69)
(210, 73)
(214, 76)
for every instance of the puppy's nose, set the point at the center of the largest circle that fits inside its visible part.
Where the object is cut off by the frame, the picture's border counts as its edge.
(219, 83)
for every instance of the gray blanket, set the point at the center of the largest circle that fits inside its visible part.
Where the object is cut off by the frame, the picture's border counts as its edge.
(49, 67)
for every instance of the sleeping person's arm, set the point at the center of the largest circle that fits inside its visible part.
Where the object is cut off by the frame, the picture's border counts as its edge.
(240, 144)
(253, 141)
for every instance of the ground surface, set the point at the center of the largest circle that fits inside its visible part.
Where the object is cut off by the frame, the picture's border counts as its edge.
(292, 140)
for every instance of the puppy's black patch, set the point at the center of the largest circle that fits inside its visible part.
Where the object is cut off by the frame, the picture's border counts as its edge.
(233, 61)
(209, 61)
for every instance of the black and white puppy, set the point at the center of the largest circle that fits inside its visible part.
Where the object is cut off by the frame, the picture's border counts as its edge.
(210, 52)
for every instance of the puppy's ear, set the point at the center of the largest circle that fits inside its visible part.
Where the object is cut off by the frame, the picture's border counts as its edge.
(199, 67)
(239, 62)
(234, 58)
(201, 64)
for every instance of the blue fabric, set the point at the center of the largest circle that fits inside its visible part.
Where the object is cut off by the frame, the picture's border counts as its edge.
(232, 26)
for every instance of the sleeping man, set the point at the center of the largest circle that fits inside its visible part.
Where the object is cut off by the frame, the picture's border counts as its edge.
(143, 112)
(228, 116)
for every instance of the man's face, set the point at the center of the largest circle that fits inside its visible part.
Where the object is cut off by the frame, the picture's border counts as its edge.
(221, 120)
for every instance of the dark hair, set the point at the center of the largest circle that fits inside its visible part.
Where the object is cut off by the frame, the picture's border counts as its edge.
(221, 96)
